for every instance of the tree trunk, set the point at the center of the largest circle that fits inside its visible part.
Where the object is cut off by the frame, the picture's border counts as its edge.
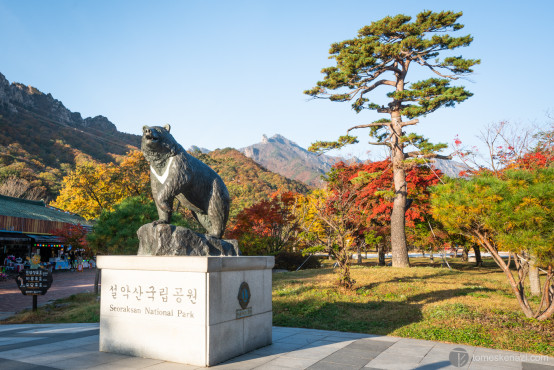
(534, 279)
(478, 260)
(359, 254)
(381, 254)
(465, 256)
(398, 217)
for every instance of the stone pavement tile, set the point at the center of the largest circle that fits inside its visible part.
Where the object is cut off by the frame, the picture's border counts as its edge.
(339, 334)
(48, 358)
(535, 366)
(325, 365)
(371, 345)
(403, 349)
(244, 362)
(316, 353)
(16, 327)
(441, 361)
(128, 363)
(173, 366)
(93, 346)
(280, 335)
(277, 348)
(17, 365)
(288, 363)
(499, 366)
(301, 338)
(62, 328)
(383, 338)
(87, 360)
(327, 344)
(351, 357)
(332, 339)
(282, 329)
(12, 340)
(491, 355)
(394, 361)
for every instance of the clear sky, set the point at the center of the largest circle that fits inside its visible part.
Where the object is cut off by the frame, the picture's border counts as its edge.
(223, 73)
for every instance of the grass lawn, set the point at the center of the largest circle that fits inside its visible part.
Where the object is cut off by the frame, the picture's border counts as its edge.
(466, 305)
(79, 308)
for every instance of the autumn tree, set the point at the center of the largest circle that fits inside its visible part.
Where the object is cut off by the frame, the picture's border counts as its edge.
(329, 222)
(267, 227)
(375, 195)
(381, 55)
(507, 146)
(74, 235)
(512, 212)
(92, 188)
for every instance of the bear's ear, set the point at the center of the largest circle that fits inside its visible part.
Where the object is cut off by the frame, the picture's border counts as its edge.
(167, 127)
(144, 128)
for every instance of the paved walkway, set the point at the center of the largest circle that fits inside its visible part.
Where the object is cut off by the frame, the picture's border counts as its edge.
(64, 284)
(75, 346)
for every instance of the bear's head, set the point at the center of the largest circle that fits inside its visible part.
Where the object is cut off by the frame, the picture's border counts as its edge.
(157, 142)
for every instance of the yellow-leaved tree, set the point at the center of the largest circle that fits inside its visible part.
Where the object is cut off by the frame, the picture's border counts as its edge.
(94, 187)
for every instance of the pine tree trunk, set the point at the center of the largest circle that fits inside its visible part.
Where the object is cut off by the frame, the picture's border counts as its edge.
(534, 279)
(398, 217)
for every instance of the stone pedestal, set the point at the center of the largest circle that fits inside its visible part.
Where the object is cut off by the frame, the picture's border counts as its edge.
(193, 310)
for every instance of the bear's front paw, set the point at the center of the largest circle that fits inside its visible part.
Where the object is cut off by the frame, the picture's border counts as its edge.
(159, 222)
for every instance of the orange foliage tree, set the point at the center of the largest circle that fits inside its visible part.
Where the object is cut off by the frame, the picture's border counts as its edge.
(266, 227)
(375, 194)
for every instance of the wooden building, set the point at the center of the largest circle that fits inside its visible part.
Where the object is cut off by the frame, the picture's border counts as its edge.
(26, 228)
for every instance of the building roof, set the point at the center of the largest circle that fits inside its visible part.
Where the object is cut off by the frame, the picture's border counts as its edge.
(33, 209)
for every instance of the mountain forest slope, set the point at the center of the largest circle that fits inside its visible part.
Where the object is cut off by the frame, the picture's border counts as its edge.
(41, 140)
(247, 181)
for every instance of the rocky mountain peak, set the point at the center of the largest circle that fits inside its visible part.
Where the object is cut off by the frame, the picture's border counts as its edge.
(285, 157)
(99, 123)
(17, 96)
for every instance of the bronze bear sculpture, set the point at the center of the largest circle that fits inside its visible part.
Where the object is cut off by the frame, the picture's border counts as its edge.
(176, 174)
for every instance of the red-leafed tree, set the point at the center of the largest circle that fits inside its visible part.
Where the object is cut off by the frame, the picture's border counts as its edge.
(376, 191)
(267, 227)
(74, 235)
(373, 184)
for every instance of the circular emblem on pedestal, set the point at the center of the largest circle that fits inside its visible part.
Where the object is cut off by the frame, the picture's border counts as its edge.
(244, 295)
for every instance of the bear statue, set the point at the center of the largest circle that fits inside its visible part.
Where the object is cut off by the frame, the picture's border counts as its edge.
(176, 174)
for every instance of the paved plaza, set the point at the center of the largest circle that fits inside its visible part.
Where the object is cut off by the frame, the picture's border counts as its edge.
(75, 346)
(65, 283)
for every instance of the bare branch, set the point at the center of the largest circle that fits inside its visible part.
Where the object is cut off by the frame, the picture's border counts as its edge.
(374, 124)
(409, 123)
(386, 143)
(418, 154)
(423, 62)
(378, 83)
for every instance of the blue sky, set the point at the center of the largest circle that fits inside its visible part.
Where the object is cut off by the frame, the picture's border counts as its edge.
(223, 73)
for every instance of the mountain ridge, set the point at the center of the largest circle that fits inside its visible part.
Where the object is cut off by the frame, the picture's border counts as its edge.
(284, 156)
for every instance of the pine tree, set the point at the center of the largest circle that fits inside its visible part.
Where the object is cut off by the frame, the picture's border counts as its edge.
(381, 55)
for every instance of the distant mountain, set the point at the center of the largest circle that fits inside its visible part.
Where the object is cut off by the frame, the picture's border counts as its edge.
(247, 181)
(41, 140)
(449, 167)
(279, 154)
